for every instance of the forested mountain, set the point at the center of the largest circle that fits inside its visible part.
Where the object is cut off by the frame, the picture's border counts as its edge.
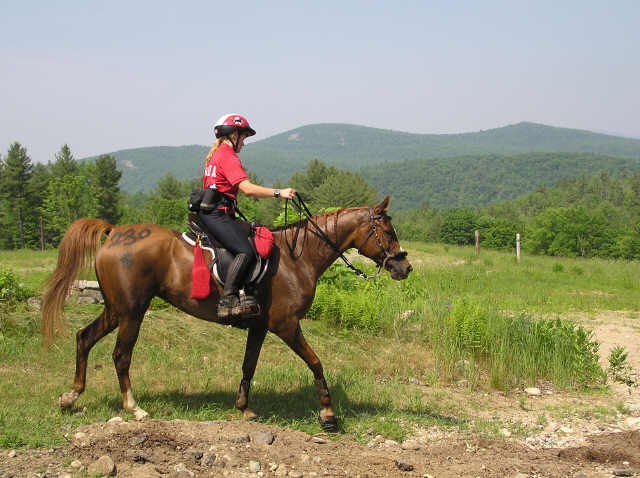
(480, 180)
(354, 147)
(142, 168)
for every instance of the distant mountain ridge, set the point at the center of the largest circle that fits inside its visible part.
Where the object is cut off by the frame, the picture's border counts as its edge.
(354, 147)
(470, 181)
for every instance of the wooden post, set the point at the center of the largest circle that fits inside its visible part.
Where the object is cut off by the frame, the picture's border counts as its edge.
(477, 242)
(518, 246)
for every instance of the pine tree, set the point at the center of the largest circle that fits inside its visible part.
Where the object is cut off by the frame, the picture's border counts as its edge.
(38, 186)
(68, 195)
(5, 236)
(105, 189)
(169, 187)
(316, 173)
(343, 189)
(67, 199)
(15, 179)
(64, 164)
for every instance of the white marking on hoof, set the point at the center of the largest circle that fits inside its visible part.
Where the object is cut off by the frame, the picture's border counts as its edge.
(66, 400)
(249, 415)
(139, 413)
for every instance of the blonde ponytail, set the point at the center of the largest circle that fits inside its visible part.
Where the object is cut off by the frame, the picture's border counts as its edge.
(213, 149)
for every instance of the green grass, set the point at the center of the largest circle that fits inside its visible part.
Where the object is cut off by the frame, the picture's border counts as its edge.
(33, 267)
(583, 285)
(372, 348)
(189, 369)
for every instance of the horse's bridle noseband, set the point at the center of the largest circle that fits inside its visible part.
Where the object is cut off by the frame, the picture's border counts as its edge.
(373, 231)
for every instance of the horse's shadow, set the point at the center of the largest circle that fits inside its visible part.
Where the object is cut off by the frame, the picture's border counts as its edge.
(299, 405)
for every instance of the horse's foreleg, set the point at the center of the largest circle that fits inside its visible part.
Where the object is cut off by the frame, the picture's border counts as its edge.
(85, 340)
(300, 346)
(127, 336)
(255, 338)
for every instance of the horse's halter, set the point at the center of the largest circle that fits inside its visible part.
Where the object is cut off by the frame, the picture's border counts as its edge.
(373, 231)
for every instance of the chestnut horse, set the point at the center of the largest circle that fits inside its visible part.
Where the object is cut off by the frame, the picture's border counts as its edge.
(137, 262)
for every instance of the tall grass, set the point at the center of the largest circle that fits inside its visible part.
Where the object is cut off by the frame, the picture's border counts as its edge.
(513, 350)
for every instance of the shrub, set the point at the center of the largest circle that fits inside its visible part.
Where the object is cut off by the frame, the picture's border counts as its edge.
(458, 226)
(11, 291)
(619, 369)
(345, 301)
(497, 233)
(569, 232)
(628, 247)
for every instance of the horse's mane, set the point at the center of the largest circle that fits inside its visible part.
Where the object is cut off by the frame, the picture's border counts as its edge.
(304, 222)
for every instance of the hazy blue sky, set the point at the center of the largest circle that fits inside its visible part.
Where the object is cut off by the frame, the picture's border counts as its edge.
(103, 76)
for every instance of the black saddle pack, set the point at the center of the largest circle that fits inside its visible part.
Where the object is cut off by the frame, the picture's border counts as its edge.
(222, 258)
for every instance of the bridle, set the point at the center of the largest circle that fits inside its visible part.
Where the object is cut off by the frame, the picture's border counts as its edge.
(373, 231)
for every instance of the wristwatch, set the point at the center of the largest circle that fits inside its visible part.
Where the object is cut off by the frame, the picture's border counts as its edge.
(276, 193)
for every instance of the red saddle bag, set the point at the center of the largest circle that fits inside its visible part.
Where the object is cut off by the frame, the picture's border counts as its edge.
(200, 278)
(263, 241)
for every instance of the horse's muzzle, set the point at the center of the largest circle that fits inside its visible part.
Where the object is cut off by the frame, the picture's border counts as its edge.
(399, 268)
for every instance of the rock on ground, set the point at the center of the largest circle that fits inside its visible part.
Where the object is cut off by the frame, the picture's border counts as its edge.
(103, 466)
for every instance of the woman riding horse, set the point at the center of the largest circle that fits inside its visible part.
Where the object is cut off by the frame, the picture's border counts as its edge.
(223, 172)
(136, 262)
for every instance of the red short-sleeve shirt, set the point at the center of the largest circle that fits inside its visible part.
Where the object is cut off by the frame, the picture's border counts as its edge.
(224, 171)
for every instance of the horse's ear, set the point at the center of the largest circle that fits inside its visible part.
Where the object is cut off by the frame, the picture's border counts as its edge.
(382, 207)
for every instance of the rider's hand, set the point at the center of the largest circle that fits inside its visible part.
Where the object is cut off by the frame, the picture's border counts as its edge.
(287, 193)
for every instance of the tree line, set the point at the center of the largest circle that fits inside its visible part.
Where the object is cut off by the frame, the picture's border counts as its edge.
(595, 216)
(39, 201)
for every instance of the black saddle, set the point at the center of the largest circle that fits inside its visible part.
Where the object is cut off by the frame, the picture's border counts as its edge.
(222, 258)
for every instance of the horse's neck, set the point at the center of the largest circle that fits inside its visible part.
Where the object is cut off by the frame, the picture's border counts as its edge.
(315, 251)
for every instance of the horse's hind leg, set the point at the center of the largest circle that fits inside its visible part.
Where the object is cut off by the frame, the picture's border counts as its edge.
(85, 340)
(255, 338)
(127, 337)
(297, 342)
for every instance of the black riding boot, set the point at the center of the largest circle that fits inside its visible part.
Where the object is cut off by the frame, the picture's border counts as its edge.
(230, 304)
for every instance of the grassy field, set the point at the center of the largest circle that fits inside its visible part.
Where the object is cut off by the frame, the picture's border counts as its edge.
(396, 354)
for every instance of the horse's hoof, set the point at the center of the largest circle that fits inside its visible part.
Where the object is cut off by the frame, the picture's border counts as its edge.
(248, 415)
(329, 424)
(139, 413)
(66, 400)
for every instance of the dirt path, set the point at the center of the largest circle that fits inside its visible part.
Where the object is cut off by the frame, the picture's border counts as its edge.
(181, 449)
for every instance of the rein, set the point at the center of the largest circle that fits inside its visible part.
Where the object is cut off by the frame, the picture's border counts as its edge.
(303, 209)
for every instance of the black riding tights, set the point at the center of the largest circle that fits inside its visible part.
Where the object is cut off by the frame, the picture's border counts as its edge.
(230, 233)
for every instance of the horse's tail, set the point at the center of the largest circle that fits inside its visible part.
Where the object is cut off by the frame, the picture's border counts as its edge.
(77, 251)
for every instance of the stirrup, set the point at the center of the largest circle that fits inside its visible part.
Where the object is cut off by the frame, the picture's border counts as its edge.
(226, 304)
(247, 307)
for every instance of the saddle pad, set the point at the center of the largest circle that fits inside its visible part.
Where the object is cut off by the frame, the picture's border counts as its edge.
(222, 260)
